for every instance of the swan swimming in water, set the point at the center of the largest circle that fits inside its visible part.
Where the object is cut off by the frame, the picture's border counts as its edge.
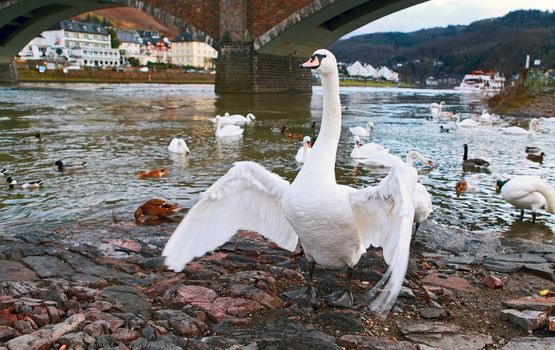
(334, 223)
(385, 159)
(227, 130)
(362, 132)
(516, 130)
(238, 119)
(304, 151)
(366, 150)
(178, 146)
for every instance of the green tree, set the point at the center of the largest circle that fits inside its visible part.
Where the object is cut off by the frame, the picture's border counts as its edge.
(133, 61)
(113, 38)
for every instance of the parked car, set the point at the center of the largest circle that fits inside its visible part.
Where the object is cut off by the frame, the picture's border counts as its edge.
(143, 69)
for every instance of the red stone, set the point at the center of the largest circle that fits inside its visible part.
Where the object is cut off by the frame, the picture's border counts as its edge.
(225, 308)
(551, 323)
(493, 282)
(195, 294)
(533, 303)
(448, 281)
(124, 335)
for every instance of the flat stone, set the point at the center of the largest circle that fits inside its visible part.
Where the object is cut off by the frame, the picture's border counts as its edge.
(530, 343)
(502, 266)
(429, 327)
(128, 298)
(253, 293)
(93, 315)
(6, 333)
(361, 342)
(48, 266)
(521, 258)
(544, 304)
(540, 270)
(15, 271)
(124, 335)
(225, 308)
(195, 294)
(448, 281)
(431, 312)
(527, 319)
(444, 336)
(79, 340)
(406, 293)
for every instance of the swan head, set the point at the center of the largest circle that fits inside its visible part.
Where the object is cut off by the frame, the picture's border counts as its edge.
(322, 61)
(370, 126)
(226, 114)
(357, 141)
(307, 140)
(183, 146)
(251, 117)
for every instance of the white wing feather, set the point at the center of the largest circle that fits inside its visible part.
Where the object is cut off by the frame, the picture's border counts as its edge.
(247, 197)
(384, 216)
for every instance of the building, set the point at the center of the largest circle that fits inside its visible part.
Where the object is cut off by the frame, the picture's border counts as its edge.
(155, 48)
(130, 44)
(187, 52)
(388, 74)
(358, 69)
(80, 43)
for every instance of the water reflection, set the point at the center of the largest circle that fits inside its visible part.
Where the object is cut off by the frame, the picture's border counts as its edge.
(122, 129)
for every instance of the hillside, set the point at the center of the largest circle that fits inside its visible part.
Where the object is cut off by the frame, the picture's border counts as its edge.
(493, 44)
(131, 18)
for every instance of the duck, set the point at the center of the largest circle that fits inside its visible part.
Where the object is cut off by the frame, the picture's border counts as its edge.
(304, 151)
(475, 163)
(12, 183)
(155, 207)
(366, 150)
(4, 172)
(290, 135)
(178, 145)
(444, 129)
(156, 172)
(461, 186)
(227, 130)
(516, 130)
(535, 157)
(35, 138)
(527, 192)
(334, 223)
(467, 123)
(361, 131)
(532, 149)
(69, 166)
(385, 159)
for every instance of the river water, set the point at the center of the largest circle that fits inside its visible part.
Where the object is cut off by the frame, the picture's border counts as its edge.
(122, 129)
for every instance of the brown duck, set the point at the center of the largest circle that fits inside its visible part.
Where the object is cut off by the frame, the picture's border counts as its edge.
(156, 172)
(156, 207)
(535, 157)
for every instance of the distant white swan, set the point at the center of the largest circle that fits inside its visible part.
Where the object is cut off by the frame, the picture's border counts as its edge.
(385, 159)
(362, 132)
(227, 130)
(178, 146)
(335, 223)
(528, 192)
(467, 123)
(438, 114)
(487, 118)
(304, 151)
(516, 130)
(366, 150)
(238, 119)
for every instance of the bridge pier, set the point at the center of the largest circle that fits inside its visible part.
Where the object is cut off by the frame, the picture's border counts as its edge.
(240, 69)
(8, 73)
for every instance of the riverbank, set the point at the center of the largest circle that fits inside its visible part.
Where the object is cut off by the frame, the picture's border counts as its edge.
(525, 103)
(373, 83)
(116, 293)
(168, 76)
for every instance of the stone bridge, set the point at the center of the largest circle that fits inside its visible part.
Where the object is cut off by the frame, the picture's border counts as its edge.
(260, 42)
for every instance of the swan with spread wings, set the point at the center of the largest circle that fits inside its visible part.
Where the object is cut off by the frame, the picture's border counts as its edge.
(334, 223)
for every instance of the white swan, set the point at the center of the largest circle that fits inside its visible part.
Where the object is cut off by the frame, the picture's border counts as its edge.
(467, 123)
(423, 207)
(334, 223)
(362, 132)
(516, 130)
(227, 130)
(439, 115)
(304, 151)
(528, 192)
(366, 150)
(178, 146)
(385, 159)
(487, 118)
(238, 119)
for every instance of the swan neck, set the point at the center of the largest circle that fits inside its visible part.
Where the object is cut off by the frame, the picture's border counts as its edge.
(465, 155)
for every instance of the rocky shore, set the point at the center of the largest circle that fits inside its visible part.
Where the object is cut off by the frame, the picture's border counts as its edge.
(463, 293)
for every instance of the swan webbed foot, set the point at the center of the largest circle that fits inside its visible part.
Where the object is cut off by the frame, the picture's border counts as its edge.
(302, 296)
(341, 298)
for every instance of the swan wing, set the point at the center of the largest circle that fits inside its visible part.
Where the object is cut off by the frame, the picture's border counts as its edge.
(384, 216)
(247, 197)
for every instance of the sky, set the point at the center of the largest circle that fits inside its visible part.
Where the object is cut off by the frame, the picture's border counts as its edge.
(441, 13)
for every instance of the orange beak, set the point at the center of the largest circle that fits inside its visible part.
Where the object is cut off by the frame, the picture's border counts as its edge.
(313, 62)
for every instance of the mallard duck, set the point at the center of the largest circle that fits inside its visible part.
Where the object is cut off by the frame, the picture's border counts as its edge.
(34, 138)
(3, 172)
(527, 192)
(474, 162)
(532, 149)
(69, 166)
(290, 135)
(12, 183)
(535, 157)
(156, 172)
(155, 207)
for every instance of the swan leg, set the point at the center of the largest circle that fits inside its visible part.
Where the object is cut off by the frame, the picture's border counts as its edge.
(343, 297)
(534, 217)
(521, 214)
(413, 240)
(307, 294)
